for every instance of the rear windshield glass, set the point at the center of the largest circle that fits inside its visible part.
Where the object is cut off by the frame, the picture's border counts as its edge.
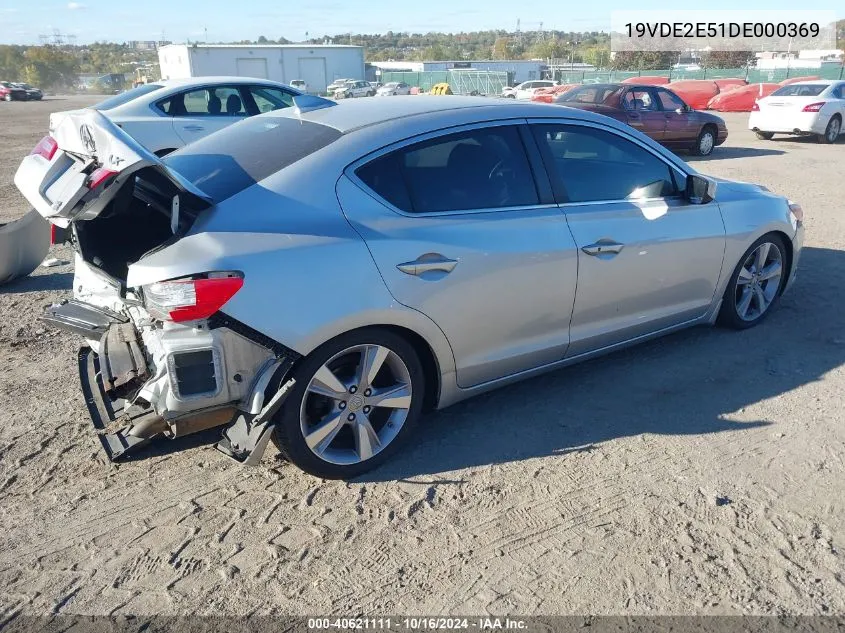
(237, 157)
(126, 97)
(798, 90)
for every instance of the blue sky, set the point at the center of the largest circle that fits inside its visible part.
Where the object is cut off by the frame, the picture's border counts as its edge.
(21, 21)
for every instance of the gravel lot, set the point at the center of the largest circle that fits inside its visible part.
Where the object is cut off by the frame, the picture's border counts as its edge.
(702, 473)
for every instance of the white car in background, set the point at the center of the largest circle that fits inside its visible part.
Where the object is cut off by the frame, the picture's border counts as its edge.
(166, 115)
(337, 84)
(805, 108)
(393, 88)
(526, 89)
(354, 89)
(299, 84)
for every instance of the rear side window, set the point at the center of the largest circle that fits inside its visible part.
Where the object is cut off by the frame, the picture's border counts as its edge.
(591, 165)
(798, 90)
(126, 97)
(237, 157)
(485, 168)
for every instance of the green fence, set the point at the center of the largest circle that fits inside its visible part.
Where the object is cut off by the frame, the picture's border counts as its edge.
(752, 75)
(462, 82)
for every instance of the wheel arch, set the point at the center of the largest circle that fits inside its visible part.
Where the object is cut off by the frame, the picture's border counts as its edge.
(433, 362)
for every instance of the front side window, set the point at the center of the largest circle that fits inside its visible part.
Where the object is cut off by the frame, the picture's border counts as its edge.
(591, 164)
(485, 168)
(669, 101)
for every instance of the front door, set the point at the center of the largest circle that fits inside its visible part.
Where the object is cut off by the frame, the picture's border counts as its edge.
(680, 129)
(647, 258)
(460, 231)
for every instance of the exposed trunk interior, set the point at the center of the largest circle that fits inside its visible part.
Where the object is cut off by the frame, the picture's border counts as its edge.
(136, 221)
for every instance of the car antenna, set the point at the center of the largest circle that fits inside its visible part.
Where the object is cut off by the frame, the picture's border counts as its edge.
(307, 103)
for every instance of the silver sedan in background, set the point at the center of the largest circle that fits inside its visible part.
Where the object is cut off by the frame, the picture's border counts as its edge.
(322, 275)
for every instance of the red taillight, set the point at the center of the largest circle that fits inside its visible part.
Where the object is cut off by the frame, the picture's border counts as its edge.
(813, 107)
(99, 176)
(191, 299)
(46, 147)
(755, 107)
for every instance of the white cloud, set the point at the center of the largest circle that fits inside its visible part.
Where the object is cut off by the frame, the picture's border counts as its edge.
(74, 6)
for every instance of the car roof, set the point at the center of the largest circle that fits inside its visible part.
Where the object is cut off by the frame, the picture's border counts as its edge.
(349, 115)
(191, 81)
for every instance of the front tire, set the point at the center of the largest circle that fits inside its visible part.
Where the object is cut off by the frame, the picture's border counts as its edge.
(831, 133)
(705, 142)
(356, 400)
(765, 136)
(756, 283)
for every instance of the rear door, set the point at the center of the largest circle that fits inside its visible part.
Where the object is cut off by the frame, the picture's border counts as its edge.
(75, 173)
(643, 113)
(202, 111)
(461, 231)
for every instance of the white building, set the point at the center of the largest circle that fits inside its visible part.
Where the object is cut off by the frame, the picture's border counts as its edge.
(774, 60)
(521, 69)
(317, 65)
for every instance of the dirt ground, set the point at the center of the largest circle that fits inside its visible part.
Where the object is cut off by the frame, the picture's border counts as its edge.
(702, 473)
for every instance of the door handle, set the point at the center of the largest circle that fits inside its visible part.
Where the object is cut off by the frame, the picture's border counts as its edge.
(427, 263)
(193, 128)
(603, 247)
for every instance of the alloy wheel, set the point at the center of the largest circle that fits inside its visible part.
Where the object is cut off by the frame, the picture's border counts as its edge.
(833, 130)
(705, 145)
(355, 404)
(758, 282)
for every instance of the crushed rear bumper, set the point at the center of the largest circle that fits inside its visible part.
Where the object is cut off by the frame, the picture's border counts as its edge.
(111, 420)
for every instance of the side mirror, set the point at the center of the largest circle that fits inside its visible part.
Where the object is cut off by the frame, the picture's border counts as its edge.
(700, 189)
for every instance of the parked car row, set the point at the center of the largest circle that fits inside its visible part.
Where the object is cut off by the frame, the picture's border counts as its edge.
(15, 91)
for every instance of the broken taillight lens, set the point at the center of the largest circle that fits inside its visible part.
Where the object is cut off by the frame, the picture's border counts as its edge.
(99, 176)
(46, 147)
(181, 300)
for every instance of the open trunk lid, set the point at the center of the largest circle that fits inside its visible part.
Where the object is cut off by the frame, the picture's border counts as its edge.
(74, 174)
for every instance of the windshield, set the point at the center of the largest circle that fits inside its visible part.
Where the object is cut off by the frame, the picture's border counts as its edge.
(126, 97)
(243, 154)
(590, 94)
(800, 90)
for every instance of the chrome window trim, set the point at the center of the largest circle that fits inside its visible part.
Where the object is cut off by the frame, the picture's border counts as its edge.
(350, 169)
(683, 173)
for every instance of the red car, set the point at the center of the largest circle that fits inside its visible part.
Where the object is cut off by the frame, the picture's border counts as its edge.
(655, 111)
(9, 92)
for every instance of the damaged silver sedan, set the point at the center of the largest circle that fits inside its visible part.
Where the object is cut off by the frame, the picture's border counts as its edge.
(320, 276)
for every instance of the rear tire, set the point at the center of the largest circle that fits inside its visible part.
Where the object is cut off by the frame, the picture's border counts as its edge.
(705, 142)
(747, 301)
(309, 409)
(765, 136)
(832, 131)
